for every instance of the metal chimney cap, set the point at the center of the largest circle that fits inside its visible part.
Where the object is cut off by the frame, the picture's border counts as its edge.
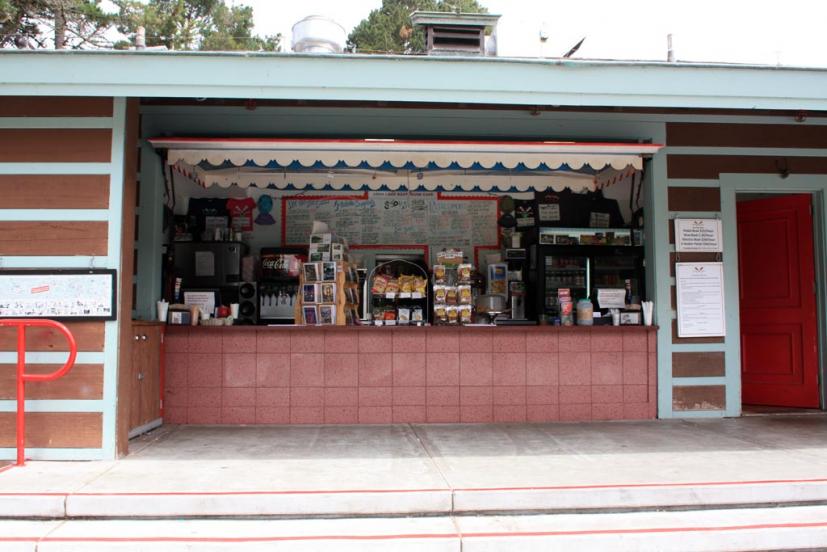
(421, 18)
(317, 18)
(318, 34)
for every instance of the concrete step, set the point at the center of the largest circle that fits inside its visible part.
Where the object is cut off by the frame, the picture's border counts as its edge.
(781, 528)
(392, 502)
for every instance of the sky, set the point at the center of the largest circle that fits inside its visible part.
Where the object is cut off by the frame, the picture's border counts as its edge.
(788, 32)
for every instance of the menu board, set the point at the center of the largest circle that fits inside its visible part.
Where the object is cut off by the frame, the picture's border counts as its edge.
(397, 218)
(700, 294)
(58, 294)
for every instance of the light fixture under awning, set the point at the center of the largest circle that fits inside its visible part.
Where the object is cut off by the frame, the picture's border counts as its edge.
(245, 162)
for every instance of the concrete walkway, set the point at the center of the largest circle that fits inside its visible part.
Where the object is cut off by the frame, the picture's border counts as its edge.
(435, 470)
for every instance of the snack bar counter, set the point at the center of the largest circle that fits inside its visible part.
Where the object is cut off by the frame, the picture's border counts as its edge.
(297, 374)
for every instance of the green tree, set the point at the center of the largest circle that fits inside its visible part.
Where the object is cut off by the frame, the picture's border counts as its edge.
(389, 28)
(193, 25)
(54, 23)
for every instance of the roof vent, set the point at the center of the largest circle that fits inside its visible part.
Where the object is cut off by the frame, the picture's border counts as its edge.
(460, 34)
(318, 34)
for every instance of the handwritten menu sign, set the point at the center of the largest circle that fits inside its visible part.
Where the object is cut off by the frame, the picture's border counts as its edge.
(59, 294)
(698, 235)
(700, 291)
(398, 218)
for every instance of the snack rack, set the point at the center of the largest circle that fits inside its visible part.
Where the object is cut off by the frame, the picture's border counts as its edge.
(453, 294)
(397, 299)
(345, 301)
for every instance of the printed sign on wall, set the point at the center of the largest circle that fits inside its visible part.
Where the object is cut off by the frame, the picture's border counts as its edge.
(700, 294)
(698, 235)
(58, 294)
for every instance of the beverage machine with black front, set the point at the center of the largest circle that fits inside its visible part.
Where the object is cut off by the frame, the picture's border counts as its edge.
(278, 284)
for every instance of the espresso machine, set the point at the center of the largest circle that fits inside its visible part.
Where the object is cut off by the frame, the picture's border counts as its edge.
(517, 261)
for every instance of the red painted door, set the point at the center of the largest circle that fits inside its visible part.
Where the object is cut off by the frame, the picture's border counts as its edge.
(779, 329)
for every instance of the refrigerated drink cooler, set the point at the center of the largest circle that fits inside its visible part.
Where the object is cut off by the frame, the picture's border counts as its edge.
(583, 261)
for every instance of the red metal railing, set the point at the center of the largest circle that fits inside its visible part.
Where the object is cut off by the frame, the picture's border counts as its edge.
(23, 377)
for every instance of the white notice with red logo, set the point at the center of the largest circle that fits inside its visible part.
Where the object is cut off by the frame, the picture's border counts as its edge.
(698, 235)
(700, 294)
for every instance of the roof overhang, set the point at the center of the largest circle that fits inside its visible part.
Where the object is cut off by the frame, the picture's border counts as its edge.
(419, 79)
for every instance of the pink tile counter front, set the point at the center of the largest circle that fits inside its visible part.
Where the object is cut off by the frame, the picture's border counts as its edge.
(368, 375)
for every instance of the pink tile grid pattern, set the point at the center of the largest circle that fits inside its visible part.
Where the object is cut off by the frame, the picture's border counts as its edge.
(408, 375)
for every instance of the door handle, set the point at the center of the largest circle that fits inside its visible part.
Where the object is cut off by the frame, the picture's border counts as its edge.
(137, 338)
(143, 338)
(140, 376)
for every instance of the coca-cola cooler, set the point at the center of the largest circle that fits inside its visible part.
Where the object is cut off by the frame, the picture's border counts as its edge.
(278, 286)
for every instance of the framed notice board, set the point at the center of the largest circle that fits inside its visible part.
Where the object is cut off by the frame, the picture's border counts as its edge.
(59, 294)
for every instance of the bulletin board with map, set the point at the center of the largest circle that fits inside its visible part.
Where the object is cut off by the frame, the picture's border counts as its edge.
(59, 294)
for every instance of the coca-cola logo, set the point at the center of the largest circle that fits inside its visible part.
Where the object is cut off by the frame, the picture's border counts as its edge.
(273, 263)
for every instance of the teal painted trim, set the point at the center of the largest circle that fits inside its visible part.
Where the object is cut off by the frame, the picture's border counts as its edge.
(77, 261)
(55, 122)
(689, 414)
(585, 118)
(54, 454)
(54, 406)
(769, 183)
(771, 152)
(698, 347)
(150, 237)
(54, 214)
(9, 357)
(657, 273)
(694, 214)
(732, 349)
(688, 382)
(54, 168)
(820, 243)
(412, 79)
(693, 183)
(112, 329)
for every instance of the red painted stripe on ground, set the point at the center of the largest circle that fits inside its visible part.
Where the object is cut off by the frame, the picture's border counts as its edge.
(493, 534)
(6, 468)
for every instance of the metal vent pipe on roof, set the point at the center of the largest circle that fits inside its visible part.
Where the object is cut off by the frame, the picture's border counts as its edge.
(318, 34)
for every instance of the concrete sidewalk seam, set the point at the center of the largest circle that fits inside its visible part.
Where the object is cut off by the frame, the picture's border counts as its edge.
(433, 460)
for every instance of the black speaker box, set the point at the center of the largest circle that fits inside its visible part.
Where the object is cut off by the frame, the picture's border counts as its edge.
(247, 304)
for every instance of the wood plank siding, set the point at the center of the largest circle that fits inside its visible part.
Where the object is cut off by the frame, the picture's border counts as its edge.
(698, 365)
(83, 382)
(55, 429)
(89, 337)
(76, 145)
(786, 139)
(22, 234)
(55, 106)
(62, 238)
(54, 192)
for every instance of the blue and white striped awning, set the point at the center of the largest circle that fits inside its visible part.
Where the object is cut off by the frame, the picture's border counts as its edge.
(390, 164)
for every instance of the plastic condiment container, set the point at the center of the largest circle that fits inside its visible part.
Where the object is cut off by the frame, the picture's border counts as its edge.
(585, 313)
